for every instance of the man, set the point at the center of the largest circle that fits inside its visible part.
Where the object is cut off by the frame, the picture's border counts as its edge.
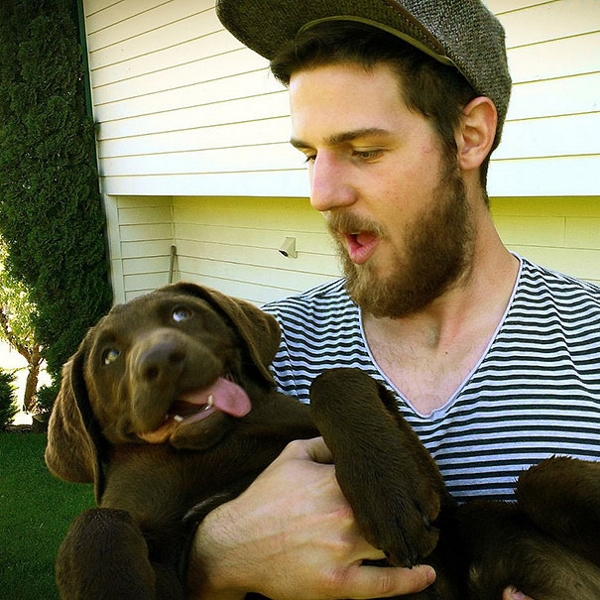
(397, 105)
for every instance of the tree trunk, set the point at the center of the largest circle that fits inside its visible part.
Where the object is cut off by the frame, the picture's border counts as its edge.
(33, 374)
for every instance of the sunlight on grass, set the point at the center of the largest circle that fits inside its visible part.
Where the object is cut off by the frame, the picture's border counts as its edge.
(36, 510)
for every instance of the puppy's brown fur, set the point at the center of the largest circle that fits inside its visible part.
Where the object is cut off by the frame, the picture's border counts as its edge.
(134, 417)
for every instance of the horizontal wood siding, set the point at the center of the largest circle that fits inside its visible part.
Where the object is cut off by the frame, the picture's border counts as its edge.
(232, 244)
(560, 233)
(193, 151)
(551, 142)
(185, 109)
(140, 233)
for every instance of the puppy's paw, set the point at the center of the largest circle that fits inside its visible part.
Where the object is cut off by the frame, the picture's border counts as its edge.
(385, 472)
(397, 520)
(407, 536)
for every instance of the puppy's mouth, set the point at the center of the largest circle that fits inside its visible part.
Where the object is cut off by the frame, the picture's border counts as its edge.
(223, 396)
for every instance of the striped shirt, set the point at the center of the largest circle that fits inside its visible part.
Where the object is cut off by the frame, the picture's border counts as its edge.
(534, 393)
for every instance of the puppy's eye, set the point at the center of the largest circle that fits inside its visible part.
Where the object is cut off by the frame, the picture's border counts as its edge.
(110, 356)
(181, 313)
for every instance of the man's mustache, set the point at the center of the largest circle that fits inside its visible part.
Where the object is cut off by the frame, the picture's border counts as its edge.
(348, 224)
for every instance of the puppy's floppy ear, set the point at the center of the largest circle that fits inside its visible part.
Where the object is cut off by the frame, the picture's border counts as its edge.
(259, 330)
(72, 452)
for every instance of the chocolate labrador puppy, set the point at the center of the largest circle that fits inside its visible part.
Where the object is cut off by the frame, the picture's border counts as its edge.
(169, 408)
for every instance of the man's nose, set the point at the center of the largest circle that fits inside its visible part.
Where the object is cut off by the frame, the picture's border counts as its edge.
(330, 185)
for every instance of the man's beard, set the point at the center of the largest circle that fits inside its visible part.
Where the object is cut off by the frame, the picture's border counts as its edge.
(437, 251)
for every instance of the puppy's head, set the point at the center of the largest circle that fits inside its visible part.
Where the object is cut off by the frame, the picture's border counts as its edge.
(175, 366)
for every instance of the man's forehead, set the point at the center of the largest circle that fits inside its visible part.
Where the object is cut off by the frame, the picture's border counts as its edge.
(341, 103)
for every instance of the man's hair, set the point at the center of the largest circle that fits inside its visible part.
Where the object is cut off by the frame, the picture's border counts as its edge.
(436, 91)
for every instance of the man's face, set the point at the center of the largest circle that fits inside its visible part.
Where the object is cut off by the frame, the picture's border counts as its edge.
(394, 202)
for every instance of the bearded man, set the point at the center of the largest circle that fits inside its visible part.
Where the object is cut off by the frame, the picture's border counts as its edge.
(397, 106)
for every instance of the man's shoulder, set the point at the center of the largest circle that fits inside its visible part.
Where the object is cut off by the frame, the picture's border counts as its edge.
(551, 301)
(318, 301)
(565, 289)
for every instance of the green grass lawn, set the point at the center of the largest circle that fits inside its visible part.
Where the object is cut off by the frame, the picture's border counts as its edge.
(35, 512)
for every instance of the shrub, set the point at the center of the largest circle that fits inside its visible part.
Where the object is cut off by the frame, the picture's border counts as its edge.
(8, 399)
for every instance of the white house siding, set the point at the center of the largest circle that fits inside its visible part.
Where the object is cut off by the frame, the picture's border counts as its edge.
(140, 235)
(193, 152)
(551, 142)
(560, 233)
(182, 107)
(233, 244)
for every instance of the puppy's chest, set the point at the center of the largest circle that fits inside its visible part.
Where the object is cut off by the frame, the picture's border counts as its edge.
(158, 485)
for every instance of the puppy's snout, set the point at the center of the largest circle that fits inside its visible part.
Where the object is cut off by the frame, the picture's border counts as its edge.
(164, 360)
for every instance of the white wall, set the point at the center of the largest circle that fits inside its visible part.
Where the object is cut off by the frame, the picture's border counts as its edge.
(193, 148)
(551, 142)
(233, 244)
(140, 235)
(184, 109)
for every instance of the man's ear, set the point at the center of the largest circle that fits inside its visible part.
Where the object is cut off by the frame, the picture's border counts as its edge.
(477, 132)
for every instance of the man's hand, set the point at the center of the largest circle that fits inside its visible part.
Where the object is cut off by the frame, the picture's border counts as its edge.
(512, 593)
(292, 536)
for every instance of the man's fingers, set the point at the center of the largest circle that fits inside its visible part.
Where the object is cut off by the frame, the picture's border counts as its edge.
(313, 449)
(355, 580)
(383, 582)
(512, 593)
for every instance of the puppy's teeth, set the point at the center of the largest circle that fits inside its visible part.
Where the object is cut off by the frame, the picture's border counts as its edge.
(210, 402)
(178, 418)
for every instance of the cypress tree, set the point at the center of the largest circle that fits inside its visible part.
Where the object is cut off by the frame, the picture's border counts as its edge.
(51, 215)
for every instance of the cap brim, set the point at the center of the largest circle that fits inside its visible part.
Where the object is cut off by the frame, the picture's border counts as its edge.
(266, 25)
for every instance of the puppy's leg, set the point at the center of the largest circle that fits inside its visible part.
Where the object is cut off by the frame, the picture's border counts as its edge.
(388, 477)
(503, 547)
(105, 556)
(562, 497)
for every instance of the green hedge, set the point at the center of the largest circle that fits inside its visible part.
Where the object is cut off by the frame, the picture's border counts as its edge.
(51, 215)
(8, 399)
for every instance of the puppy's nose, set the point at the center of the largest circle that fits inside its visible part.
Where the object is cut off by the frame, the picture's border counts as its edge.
(163, 361)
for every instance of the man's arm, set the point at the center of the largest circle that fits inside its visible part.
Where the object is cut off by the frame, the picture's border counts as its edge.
(292, 535)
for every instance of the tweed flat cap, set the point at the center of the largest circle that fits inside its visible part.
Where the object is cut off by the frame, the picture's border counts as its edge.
(463, 33)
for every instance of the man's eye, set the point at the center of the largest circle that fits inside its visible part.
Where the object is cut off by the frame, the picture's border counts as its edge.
(367, 154)
(110, 356)
(181, 313)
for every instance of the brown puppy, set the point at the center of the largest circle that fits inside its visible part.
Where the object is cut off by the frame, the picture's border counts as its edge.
(169, 408)
(547, 544)
(150, 410)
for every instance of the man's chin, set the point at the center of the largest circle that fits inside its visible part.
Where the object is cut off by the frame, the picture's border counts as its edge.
(385, 297)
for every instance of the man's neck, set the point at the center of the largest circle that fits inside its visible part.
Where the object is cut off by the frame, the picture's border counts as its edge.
(428, 354)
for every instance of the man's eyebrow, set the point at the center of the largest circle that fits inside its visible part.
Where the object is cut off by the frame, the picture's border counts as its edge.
(344, 137)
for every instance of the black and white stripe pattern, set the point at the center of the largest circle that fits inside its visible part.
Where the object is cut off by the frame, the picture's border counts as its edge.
(534, 394)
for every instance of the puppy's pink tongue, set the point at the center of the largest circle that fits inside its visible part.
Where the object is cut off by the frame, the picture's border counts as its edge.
(225, 396)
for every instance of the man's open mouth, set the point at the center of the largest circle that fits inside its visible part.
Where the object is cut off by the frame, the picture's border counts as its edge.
(361, 245)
